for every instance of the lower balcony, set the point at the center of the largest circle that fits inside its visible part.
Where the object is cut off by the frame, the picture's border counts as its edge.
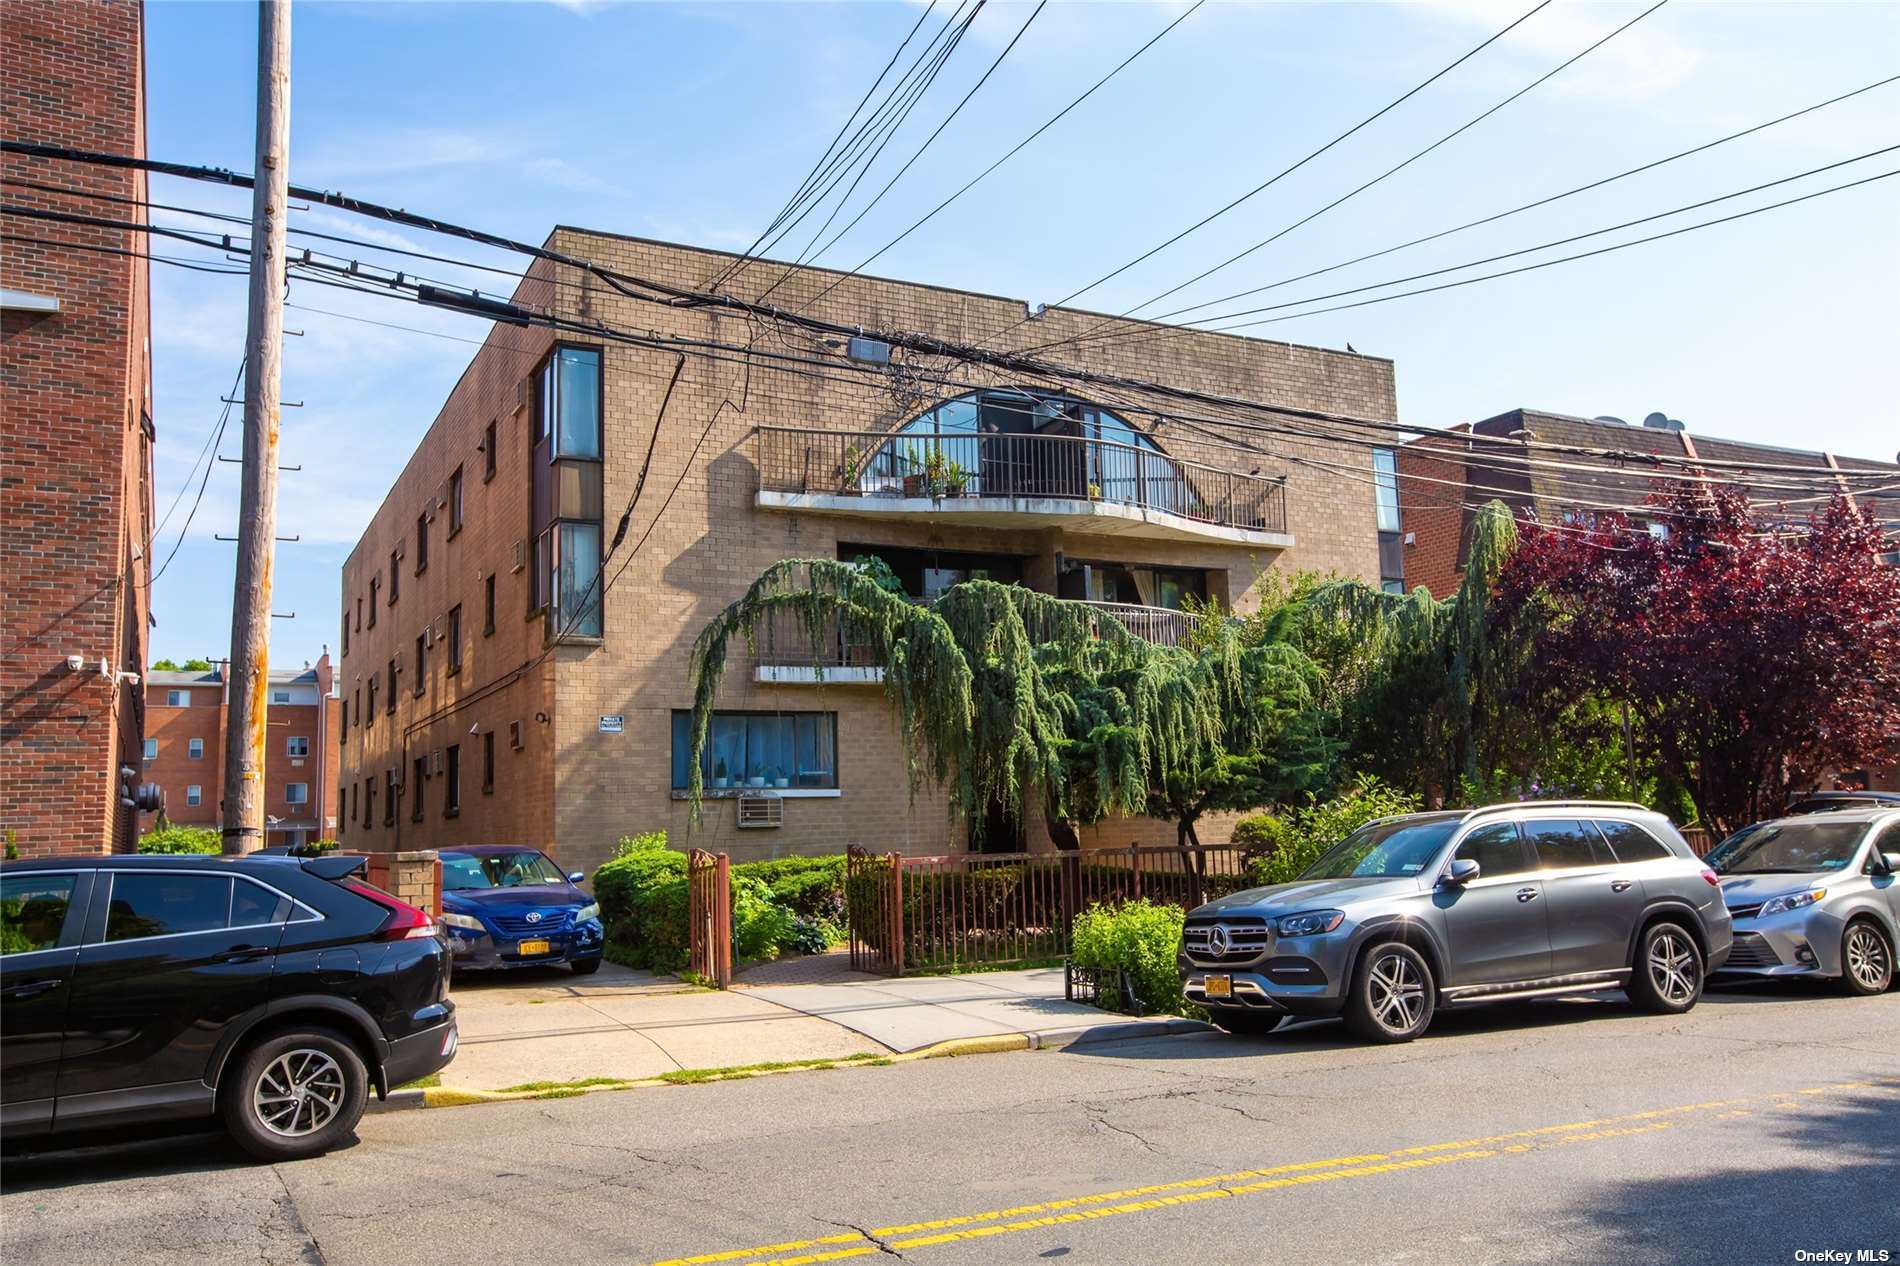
(783, 654)
(1013, 481)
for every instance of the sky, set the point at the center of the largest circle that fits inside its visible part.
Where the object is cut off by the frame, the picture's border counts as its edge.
(694, 123)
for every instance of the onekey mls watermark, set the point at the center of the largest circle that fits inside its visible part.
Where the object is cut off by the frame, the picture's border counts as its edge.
(1844, 1255)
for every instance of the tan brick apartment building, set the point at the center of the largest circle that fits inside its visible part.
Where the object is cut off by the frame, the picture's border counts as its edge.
(184, 749)
(466, 720)
(76, 433)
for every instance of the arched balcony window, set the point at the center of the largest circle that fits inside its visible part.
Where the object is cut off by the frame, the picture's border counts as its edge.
(1025, 444)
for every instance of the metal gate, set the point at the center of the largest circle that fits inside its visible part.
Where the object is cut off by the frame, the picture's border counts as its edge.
(709, 917)
(874, 910)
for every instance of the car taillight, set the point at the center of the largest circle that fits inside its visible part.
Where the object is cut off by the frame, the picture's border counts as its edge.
(1710, 878)
(405, 922)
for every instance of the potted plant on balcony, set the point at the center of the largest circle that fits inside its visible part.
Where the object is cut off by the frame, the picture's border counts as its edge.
(916, 476)
(936, 471)
(1095, 492)
(955, 478)
(855, 460)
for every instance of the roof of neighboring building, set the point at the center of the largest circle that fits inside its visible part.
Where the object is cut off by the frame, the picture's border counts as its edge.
(185, 677)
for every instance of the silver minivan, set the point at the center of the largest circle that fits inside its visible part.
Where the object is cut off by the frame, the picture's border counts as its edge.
(1815, 895)
(1427, 910)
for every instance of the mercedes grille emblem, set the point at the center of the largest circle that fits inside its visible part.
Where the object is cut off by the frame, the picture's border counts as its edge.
(1217, 939)
(534, 917)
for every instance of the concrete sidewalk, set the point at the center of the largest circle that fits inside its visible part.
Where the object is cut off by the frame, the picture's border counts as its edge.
(548, 1025)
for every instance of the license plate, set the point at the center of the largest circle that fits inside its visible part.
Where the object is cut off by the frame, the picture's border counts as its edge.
(533, 947)
(1218, 986)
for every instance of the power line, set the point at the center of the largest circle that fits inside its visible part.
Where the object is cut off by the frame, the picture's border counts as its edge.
(1530, 206)
(1140, 334)
(1394, 169)
(868, 146)
(1020, 145)
(669, 296)
(1287, 171)
(909, 162)
(812, 175)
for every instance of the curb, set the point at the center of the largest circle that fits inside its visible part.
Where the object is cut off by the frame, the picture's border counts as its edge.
(1094, 1035)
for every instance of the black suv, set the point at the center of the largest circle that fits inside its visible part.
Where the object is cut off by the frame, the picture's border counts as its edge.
(271, 991)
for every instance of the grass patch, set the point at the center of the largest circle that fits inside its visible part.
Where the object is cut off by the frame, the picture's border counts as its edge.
(578, 1084)
(694, 1076)
(422, 1083)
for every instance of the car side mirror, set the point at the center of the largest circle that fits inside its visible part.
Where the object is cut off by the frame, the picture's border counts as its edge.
(1892, 861)
(577, 876)
(1462, 871)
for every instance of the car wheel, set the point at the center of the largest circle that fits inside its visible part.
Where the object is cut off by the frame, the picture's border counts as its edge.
(1866, 959)
(294, 1095)
(1246, 1023)
(585, 966)
(1666, 978)
(1393, 994)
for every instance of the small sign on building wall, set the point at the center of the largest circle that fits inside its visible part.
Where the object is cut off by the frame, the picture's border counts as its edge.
(613, 725)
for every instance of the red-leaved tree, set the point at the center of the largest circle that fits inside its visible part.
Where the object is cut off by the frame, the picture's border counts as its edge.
(1757, 654)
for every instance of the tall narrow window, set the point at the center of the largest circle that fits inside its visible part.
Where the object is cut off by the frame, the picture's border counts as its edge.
(195, 749)
(452, 779)
(342, 809)
(577, 580)
(392, 685)
(576, 401)
(343, 730)
(1385, 477)
(369, 717)
(415, 788)
(358, 696)
(422, 542)
(374, 585)
(455, 639)
(455, 501)
(488, 453)
(488, 605)
(488, 762)
(369, 800)
(346, 630)
(359, 615)
(422, 661)
(395, 576)
(391, 789)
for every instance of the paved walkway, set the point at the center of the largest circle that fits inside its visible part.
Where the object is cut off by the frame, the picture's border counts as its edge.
(548, 1025)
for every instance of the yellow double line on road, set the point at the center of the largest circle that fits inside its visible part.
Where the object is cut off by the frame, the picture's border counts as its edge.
(1187, 1191)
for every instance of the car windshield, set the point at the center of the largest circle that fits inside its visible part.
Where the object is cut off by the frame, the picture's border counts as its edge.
(464, 871)
(1770, 848)
(1384, 850)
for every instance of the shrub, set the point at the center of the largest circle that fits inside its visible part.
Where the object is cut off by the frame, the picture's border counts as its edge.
(809, 886)
(1262, 835)
(1140, 938)
(1318, 827)
(760, 926)
(181, 839)
(644, 903)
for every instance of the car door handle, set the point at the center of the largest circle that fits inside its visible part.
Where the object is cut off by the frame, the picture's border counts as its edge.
(243, 953)
(29, 988)
(1527, 894)
(1621, 885)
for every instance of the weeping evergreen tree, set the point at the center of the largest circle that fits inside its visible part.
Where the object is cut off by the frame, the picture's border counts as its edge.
(1006, 697)
(1428, 707)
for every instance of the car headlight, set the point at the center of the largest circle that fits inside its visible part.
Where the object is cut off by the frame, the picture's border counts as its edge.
(1309, 922)
(591, 911)
(1793, 901)
(465, 921)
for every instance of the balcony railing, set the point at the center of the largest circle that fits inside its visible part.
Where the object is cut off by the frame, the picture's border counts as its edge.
(881, 464)
(783, 643)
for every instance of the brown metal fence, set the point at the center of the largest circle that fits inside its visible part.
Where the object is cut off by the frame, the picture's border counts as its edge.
(709, 916)
(971, 909)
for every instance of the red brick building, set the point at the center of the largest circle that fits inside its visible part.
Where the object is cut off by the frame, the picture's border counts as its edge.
(184, 749)
(76, 432)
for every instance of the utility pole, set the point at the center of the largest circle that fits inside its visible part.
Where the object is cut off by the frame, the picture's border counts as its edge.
(257, 505)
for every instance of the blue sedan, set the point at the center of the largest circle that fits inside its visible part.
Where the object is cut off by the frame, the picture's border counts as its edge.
(508, 906)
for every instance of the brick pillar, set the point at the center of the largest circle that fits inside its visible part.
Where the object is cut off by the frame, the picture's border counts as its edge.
(416, 877)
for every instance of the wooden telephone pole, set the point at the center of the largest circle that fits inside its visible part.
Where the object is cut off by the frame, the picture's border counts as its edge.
(257, 506)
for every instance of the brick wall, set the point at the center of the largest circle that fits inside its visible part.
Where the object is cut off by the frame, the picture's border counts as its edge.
(578, 788)
(172, 768)
(1432, 496)
(75, 434)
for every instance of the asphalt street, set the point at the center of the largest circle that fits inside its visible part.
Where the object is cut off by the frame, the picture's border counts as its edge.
(1760, 1126)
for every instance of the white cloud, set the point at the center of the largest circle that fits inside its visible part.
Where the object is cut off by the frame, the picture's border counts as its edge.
(1639, 65)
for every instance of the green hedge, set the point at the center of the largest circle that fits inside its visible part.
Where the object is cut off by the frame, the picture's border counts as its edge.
(786, 904)
(182, 839)
(1140, 938)
(1318, 827)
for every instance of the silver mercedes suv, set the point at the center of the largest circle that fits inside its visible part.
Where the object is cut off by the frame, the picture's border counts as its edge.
(1409, 914)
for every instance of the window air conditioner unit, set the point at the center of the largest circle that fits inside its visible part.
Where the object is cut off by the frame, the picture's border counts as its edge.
(435, 762)
(761, 811)
(521, 555)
